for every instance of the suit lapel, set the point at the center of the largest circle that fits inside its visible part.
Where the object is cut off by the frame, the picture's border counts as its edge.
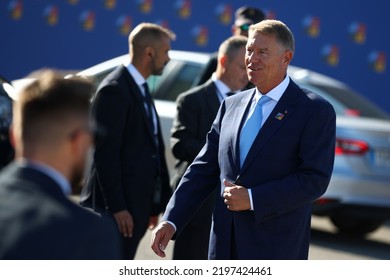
(238, 121)
(283, 110)
(212, 98)
(134, 90)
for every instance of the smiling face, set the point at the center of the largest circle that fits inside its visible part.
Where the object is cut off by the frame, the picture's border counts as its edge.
(266, 60)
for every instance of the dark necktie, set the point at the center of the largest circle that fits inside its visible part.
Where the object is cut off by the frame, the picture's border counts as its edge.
(148, 103)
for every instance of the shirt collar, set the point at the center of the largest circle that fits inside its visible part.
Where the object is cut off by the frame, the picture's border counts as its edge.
(277, 92)
(221, 86)
(50, 172)
(139, 79)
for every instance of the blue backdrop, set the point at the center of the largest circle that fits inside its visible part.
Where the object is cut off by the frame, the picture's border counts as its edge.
(344, 39)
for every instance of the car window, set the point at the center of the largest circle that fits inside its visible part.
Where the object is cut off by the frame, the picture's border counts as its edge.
(346, 102)
(178, 77)
(155, 81)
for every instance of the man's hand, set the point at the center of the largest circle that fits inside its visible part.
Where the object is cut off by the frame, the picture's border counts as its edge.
(125, 223)
(236, 197)
(161, 237)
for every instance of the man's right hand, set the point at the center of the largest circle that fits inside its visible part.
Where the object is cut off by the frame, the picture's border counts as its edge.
(160, 238)
(125, 223)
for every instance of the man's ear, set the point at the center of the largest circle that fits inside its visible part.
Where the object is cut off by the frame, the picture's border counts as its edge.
(150, 52)
(287, 57)
(223, 60)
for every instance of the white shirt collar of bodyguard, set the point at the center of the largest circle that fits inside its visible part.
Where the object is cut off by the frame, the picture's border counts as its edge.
(139, 79)
(222, 88)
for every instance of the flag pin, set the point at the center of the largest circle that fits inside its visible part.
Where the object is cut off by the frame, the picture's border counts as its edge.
(279, 116)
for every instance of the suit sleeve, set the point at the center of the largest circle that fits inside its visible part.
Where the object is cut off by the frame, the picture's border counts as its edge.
(109, 110)
(199, 181)
(185, 143)
(316, 156)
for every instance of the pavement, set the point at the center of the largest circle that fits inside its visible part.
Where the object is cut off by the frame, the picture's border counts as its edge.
(144, 251)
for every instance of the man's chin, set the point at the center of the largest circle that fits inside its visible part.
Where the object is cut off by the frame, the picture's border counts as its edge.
(252, 80)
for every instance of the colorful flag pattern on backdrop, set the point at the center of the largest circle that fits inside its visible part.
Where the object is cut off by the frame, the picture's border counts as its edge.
(349, 45)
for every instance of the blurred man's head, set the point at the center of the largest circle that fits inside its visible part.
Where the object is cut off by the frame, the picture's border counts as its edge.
(231, 63)
(244, 17)
(51, 123)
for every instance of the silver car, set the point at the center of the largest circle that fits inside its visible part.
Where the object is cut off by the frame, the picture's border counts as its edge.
(358, 198)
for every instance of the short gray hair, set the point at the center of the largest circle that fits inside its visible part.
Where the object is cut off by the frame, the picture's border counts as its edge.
(231, 45)
(275, 28)
(148, 34)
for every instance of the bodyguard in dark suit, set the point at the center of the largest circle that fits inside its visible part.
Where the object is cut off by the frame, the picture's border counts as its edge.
(129, 178)
(51, 133)
(196, 111)
(266, 186)
(243, 18)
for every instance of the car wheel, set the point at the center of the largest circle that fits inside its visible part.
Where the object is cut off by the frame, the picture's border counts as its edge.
(355, 226)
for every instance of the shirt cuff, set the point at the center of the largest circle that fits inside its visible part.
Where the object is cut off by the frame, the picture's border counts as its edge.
(172, 224)
(250, 199)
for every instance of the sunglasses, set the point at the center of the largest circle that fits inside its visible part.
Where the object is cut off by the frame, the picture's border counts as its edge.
(245, 27)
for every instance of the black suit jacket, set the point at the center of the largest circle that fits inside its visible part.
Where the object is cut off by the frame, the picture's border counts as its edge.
(210, 69)
(127, 162)
(196, 111)
(37, 221)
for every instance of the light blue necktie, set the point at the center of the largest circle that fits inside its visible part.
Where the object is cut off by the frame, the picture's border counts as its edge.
(252, 128)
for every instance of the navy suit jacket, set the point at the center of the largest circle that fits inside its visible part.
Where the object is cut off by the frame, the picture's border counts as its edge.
(37, 221)
(287, 168)
(127, 161)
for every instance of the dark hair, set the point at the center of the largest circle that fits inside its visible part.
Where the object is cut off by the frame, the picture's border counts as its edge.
(51, 100)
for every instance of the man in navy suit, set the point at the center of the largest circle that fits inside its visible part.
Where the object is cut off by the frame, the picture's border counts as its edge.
(52, 134)
(264, 207)
(129, 178)
(196, 111)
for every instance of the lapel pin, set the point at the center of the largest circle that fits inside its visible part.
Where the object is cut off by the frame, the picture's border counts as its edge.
(279, 116)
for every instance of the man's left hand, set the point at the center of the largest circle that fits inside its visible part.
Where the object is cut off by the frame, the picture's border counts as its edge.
(236, 197)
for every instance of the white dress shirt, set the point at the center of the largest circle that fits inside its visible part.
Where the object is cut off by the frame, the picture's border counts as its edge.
(140, 80)
(275, 94)
(222, 88)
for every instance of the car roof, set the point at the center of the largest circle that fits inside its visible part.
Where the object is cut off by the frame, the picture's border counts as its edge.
(196, 57)
(309, 76)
